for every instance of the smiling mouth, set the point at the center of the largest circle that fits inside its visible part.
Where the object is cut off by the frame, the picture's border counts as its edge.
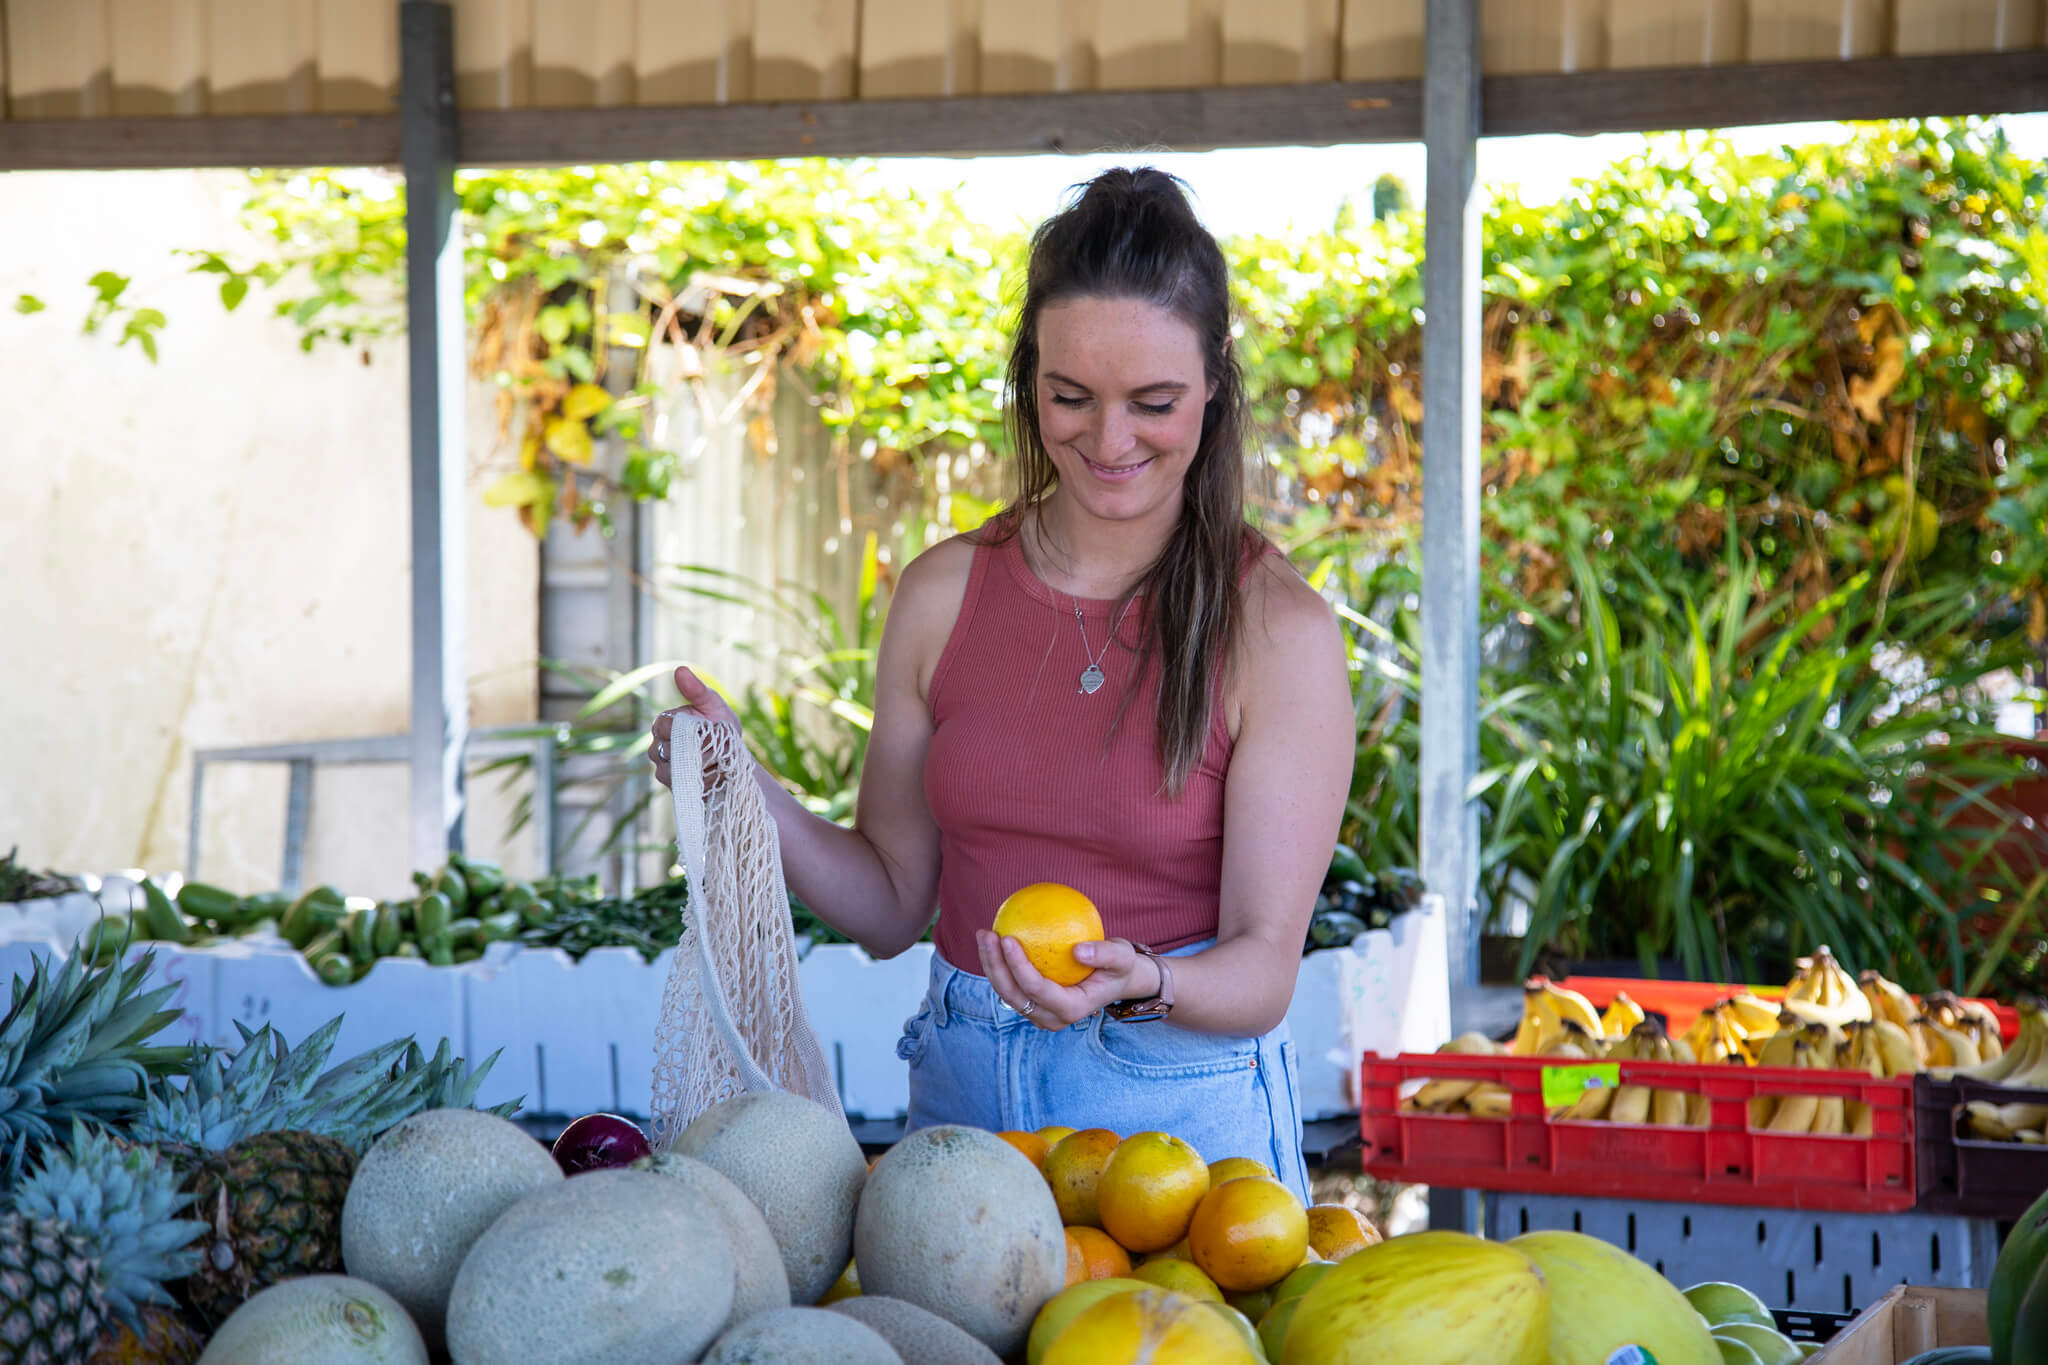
(1115, 471)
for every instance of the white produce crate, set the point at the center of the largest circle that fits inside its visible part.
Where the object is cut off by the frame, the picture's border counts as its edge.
(577, 1036)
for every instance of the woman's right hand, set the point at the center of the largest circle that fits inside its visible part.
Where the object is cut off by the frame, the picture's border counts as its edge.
(698, 700)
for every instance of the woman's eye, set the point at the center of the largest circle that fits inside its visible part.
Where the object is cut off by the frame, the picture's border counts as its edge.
(1155, 409)
(1064, 401)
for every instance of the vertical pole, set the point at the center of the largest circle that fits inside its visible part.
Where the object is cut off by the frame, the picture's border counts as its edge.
(434, 344)
(1450, 501)
(298, 817)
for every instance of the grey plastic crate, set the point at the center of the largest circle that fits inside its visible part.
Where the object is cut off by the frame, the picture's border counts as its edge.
(1818, 1262)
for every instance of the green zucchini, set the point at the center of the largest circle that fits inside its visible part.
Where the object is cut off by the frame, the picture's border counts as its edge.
(441, 955)
(336, 969)
(483, 877)
(213, 904)
(501, 926)
(161, 917)
(467, 932)
(432, 915)
(389, 929)
(451, 885)
(359, 928)
(318, 909)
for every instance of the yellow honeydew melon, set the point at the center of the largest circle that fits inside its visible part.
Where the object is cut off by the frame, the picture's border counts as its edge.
(959, 1222)
(1069, 1304)
(759, 1280)
(423, 1195)
(612, 1267)
(1445, 1297)
(920, 1337)
(318, 1320)
(1152, 1327)
(1602, 1299)
(800, 1166)
(802, 1336)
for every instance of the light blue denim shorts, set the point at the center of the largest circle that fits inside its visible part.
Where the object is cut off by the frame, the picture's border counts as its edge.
(974, 1060)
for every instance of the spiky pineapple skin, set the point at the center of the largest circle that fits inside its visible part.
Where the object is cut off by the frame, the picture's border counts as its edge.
(51, 1302)
(272, 1204)
(168, 1337)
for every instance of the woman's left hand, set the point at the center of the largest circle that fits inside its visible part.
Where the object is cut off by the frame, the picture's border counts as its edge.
(1120, 973)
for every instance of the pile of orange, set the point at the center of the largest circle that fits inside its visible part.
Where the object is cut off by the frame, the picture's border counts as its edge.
(1146, 1213)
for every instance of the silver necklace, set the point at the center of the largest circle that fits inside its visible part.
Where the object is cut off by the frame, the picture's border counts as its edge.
(1091, 676)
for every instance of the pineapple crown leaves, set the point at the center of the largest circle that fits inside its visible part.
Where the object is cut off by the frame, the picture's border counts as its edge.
(446, 1084)
(125, 1201)
(71, 1045)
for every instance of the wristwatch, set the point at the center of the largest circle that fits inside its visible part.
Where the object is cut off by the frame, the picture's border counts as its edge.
(1143, 1011)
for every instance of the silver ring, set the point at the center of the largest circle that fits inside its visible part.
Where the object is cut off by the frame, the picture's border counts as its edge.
(661, 752)
(1028, 1006)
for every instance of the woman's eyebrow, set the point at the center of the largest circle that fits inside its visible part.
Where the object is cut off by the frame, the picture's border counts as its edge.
(1160, 386)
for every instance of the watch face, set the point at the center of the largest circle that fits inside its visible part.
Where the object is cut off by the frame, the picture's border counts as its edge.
(1140, 1012)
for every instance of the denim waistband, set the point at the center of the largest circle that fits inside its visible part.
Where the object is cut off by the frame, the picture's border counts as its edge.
(969, 995)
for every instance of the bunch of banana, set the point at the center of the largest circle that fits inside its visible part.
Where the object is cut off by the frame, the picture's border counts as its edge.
(1823, 992)
(1621, 1015)
(1546, 1007)
(2024, 1064)
(1457, 1094)
(1716, 1037)
(1957, 1033)
(1632, 1103)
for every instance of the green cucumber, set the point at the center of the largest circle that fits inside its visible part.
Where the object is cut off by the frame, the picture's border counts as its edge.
(214, 904)
(451, 885)
(389, 930)
(483, 877)
(359, 929)
(466, 932)
(162, 918)
(432, 915)
(316, 910)
(336, 969)
(2018, 1268)
(501, 926)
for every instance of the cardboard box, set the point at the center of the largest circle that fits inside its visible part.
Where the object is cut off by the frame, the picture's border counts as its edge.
(1907, 1321)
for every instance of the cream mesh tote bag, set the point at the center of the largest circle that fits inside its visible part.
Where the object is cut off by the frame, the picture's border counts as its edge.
(732, 1016)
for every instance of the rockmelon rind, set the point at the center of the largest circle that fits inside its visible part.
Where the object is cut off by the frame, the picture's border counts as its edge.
(919, 1336)
(318, 1320)
(803, 1336)
(960, 1223)
(799, 1165)
(613, 1267)
(423, 1195)
(760, 1282)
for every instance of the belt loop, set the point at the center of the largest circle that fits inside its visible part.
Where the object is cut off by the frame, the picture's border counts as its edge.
(943, 974)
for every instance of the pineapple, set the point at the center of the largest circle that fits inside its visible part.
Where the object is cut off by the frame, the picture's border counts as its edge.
(72, 1047)
(85, 1249)
(268, 1143)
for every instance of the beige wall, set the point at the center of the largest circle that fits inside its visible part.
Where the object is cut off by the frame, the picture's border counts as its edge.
(210, 551)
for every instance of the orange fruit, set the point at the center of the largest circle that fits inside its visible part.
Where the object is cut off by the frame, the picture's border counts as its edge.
(1030, 1144)
(1248, 1233)
(1063, 1307)
(1182, 1277)
(1233, 1167)
(1146, 1326)
(1073, 1167)
(1149, 1189)
(1093, 1254)
(1049, 919)
(1337, 1230)
(1052, 1133)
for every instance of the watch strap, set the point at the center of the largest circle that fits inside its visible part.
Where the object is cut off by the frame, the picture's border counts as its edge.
(1159, 1006)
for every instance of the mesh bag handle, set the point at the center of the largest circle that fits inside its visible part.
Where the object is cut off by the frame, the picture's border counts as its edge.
(732, 1016)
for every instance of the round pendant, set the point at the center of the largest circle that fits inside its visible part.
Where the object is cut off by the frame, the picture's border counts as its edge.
(1091, 678)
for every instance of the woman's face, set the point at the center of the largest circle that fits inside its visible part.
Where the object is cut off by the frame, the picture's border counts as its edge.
(1121, 388)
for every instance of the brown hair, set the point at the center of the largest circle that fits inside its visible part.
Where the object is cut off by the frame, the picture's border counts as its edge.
(1132, 234)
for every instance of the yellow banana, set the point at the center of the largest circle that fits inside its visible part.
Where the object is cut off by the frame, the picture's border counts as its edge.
(1591, 1105)
(1751, 1014)
(1776, 1049)
(2026, 1061)
(1796, 1113)
(1962, 1051)
(2033, 1137)
(1622, 1014)
(1895, 1048)
(1631, 1104)
(1831, 1115)
(1704, 1036)
(1990, 1044)
(1489, 1100)
(1439, 1095)
(1824, 993)
(1473, 1045)
(1932, 1045)
(1529, 1032)
(1569, 1004)
(1699, 1111)
(1888, 999)
(1984, 1119)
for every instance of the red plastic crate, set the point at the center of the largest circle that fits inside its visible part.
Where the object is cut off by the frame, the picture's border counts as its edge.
(1726, 1162)
(1680, 1002)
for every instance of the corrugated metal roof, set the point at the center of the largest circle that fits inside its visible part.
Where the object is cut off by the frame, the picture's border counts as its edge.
(67, 59)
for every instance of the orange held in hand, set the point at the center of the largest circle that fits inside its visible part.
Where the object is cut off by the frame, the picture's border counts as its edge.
(1049, 920)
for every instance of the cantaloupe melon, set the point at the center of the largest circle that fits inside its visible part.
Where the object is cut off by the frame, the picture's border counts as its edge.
(614, 1267)
(959, 1222)
(799, 1164)
(318, 1320)
(921, 1338)
(760, 1282)
(803, 1336)
(423, 1195)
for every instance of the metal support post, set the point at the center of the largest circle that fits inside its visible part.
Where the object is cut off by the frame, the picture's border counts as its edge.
(434, 344)
(298, 818)
(1450, 500)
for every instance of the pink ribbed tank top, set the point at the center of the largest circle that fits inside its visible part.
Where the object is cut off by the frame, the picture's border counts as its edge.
(1027, 783)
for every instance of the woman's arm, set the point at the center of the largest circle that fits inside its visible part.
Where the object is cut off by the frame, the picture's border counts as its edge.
(876, 882)
(1283, 801)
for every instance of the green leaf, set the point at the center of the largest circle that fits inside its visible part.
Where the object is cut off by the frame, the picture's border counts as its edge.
(29, 303)
(233, 290)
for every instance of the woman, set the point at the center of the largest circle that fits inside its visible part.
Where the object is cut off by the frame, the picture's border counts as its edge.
(1117, 685)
